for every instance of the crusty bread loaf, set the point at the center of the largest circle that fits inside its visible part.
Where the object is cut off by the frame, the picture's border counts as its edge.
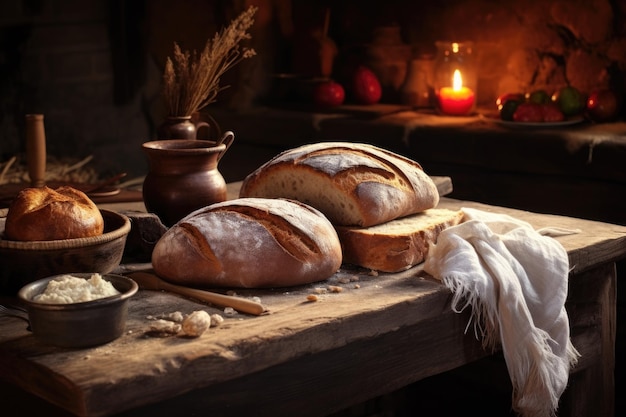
(396, 245)
(249, 243)
(45, 214)
(353, 184)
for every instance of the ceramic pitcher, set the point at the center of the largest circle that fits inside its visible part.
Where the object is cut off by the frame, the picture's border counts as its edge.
(183, 176)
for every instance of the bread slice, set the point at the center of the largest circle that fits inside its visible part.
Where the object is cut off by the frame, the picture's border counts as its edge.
(398, 244)
(353, 184)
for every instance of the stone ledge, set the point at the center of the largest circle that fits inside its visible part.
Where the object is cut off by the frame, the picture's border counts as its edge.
(585, 150)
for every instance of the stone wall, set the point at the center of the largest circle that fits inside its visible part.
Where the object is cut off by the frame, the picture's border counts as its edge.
(534, 44)
(521, 45)
(93, 67)
(58, 58)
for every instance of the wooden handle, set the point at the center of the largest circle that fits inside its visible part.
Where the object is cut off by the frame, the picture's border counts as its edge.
(36, 149)
(239, 304)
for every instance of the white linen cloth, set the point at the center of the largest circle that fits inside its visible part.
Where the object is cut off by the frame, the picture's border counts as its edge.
(515, 280)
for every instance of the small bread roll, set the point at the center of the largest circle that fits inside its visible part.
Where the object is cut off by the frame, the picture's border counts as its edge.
(45, 214)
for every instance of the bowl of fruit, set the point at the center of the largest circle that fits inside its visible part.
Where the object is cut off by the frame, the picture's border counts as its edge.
(539, 108)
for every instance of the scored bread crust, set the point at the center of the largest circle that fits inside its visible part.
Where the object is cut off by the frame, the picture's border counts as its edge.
(248, 243)
(353, 184)
(396, 245)
(41, 213)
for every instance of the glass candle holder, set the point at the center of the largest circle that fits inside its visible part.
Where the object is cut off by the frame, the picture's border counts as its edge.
(455, 78)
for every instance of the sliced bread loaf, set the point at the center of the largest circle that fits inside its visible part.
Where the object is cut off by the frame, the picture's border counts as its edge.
(396, 245)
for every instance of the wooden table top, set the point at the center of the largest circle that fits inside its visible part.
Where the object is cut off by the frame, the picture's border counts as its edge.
(139, 369)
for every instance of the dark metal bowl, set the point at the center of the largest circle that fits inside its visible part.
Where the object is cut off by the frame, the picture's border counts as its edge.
(24, 262)
(77, 325)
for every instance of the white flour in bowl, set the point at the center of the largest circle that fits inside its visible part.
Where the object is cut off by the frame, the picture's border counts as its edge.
(70, 289)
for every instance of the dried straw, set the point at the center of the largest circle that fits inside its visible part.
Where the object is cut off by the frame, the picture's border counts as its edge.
(192, 81)
(63, 170)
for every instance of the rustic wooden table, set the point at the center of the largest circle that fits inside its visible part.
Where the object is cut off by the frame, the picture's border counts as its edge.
(378, 334)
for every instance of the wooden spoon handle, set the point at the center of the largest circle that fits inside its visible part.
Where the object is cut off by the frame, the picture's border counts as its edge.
(36, 149)
(238, 303)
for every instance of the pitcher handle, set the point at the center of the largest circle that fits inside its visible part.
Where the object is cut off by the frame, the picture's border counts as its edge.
(212, 127)
(227, 139)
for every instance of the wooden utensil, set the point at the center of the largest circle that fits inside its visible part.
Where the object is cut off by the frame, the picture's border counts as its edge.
(36, 149)
(149, 281)
(105, 183)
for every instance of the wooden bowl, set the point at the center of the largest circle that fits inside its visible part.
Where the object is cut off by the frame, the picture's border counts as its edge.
(24, 262)
(82, 324)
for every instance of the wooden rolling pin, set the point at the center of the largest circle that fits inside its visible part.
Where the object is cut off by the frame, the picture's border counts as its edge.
(149, 281)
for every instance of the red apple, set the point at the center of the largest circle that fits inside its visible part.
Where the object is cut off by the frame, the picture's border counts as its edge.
(603, 105)
(366, 87)
(503, 98)
(552, 113)
(528, 113)
(328, 94)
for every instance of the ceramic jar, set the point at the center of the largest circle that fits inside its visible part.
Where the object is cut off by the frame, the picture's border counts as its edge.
(417, 90)
(183, 176)
(196, 126)
(387, 56)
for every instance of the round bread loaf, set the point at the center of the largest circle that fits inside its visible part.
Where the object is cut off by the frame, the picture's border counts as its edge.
(45, 214)
(249, 243)
(353, 184)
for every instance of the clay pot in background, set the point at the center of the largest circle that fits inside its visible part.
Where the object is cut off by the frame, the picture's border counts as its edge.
(388, 57)
(417, 90)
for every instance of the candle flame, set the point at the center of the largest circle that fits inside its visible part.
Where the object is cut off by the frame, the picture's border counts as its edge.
(457, 81)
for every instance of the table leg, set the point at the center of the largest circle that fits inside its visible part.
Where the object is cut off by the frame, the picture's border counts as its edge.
(591, 307)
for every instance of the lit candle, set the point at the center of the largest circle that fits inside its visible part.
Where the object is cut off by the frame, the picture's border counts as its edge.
(456, 100)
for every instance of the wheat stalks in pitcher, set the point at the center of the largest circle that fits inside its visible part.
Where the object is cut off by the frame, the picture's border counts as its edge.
(192, 81)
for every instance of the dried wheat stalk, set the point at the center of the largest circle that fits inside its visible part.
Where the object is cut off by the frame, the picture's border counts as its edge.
(191, 81)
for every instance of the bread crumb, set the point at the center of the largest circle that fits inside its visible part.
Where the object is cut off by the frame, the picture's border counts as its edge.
(196, 323)
(176, 317)
(373, 273)
(356, 286)
(229, 311)
(165, 326)
(311, 297)
(216, 320)
(320, 290)
(334, 288)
